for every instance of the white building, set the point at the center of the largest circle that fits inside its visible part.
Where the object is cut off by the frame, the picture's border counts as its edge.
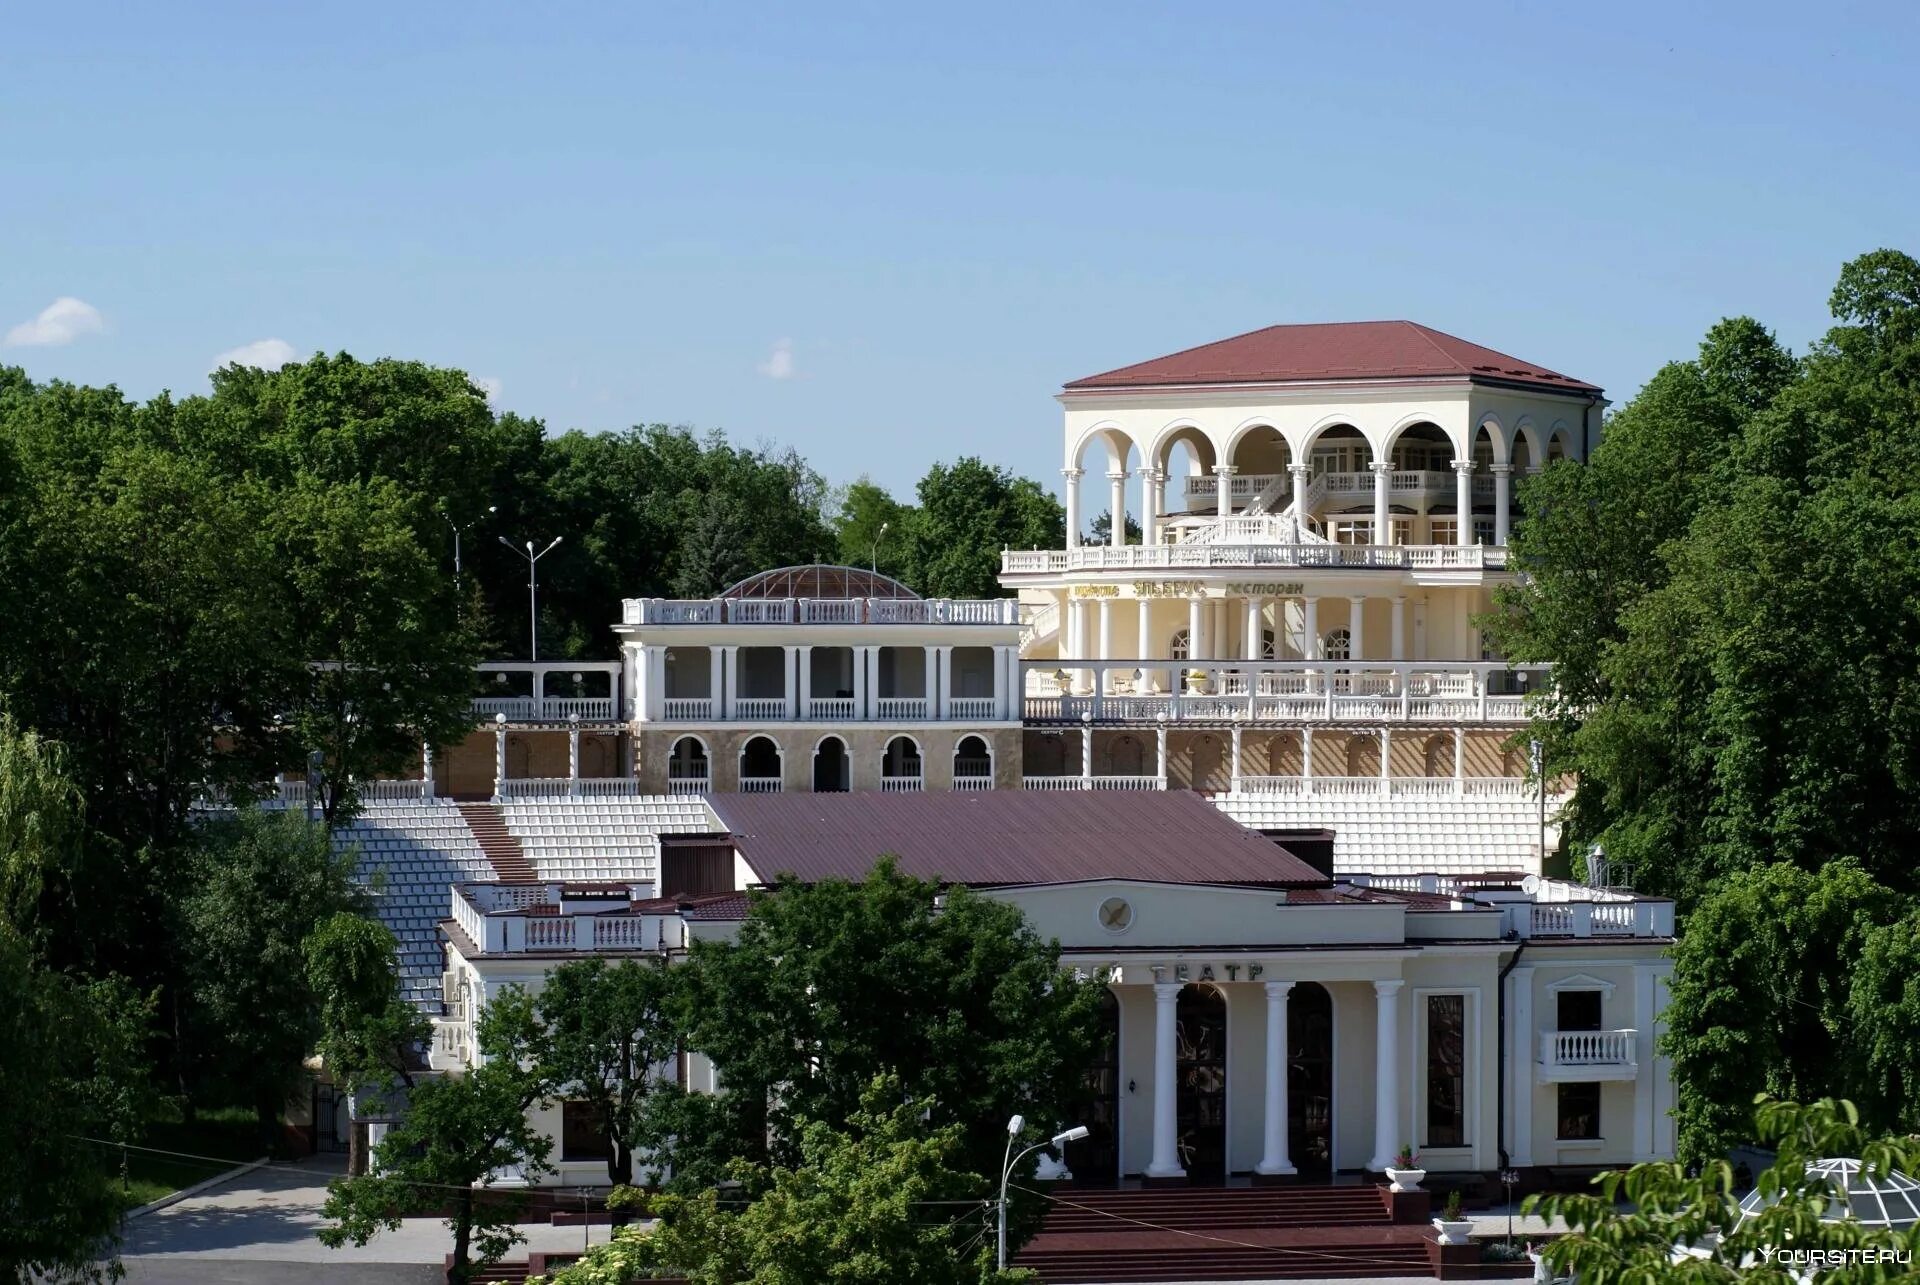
(1267, 1020)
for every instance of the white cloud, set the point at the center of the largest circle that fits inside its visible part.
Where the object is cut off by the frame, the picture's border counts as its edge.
(779, 363)
(60, 322)
(267, 354)
(490, 385)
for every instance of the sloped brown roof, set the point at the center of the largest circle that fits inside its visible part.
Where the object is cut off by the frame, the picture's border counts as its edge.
(1335, 350)
(1000, 837)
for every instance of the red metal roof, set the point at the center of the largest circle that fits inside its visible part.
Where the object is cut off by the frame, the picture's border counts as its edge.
(1335, 350)
(999, 837)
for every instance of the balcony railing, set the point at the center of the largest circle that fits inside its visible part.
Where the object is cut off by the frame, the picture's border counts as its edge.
(1588, 1055)
(1279, 691)
(689, 707)
(972, 783)
(903, 784)
(1094, 783)
(830, 707)
(702, 784)
(902, 706)
(1393, 787)
(760, 707)
(1202, 555)
(760, 785)
(972, 706)
(561, 787)
(833, 709)
(821, 611)
(551, 709)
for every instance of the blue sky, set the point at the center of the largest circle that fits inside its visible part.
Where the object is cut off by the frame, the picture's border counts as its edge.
(887, 234)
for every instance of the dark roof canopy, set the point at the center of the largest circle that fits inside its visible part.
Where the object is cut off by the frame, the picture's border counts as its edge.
(818, 580)
(1000, 837)
(1335, 350)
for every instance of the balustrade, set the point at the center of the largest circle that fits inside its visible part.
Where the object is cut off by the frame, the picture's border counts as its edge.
(760, 785)
(1198, 555)
(902, 784)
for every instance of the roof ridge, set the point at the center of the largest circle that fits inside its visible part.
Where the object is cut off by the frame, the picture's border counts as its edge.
(1245, 334)
(1427, 334)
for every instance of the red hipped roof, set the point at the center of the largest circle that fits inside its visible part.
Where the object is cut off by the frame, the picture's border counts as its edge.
(1335, 350)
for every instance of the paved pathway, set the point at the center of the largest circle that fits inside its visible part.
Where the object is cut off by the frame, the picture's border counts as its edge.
(260, 1227)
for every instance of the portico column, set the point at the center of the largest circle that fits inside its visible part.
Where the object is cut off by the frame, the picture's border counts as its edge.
(805, 681)
(1463, 501)
(1300, 473)
(731, 665)
(426, 769)
(860, 682)
(1502, 486)
(1386, 758)
(1273, 1154)
(1153, 499)
(1459, 760)
(1086, 750)
(1382, 485)
(1255, 608)
(573, 754)
(1310, 643)
(790, 680)
(1386, 1073)
(499, 757)
(946, 682)
(1160, 750)
(1166, 1156)
(1306, 753)
(1106, 640)
(716, 680)
(1398, 640)
(1196, 616)
(1225, 473)
(929, 678)
(1073, 476)
(1233, 777)
(1143, 645)
(1117, 488)
(1357, 629)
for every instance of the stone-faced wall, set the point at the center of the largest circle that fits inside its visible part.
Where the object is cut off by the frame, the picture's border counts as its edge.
(865, 745)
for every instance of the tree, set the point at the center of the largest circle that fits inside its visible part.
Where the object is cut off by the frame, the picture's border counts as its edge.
(1100, 530)
(832, 984)
(969, 511)
(1760, 995)
(42, 826)
(457, 1134)
(871, 526)
(72, 1076)
(369, 1037)
(880, 1200)
(1883, 1011)
(600, 1032)
(262, 883)
(1666, 1209)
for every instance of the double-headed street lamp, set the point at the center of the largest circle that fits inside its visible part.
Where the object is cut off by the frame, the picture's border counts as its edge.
(1010, 1162)
(458, 528)
(533, 591)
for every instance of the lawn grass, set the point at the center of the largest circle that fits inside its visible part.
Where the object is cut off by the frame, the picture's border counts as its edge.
(225, 1133)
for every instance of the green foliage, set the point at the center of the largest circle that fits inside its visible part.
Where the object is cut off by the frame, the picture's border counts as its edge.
(1100, 530)
(598, 1030)
(1883, 1014)
(969, 511)
(882, 1200)
(1730, 590)
(1664, 1208)
(367, 1033)
(1760, 995)
(41, 827)
(871, 527)
(71, 1068)
(456, 1133)
(260, 886)
(833, 984)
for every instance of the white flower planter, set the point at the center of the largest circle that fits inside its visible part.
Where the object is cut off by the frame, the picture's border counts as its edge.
(1454, 1233)
(1405, 1179)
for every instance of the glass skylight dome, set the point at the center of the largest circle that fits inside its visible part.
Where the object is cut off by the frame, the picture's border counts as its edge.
(1890, 1200)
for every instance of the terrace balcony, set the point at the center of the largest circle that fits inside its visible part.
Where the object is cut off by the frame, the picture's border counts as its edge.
(554, 692)
(510, 919)
(1569, 1056)
(820, 611)
(1227, 553)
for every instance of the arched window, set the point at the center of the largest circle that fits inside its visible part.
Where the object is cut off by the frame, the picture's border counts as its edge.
(760, 766)
(1268, 647)
(972, 764)
(1181, 646)
(1437, 756)
(832, 767)
(900, 767)
(689, 770)
(1338, 645)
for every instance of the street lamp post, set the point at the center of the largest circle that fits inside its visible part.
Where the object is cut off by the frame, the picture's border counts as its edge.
(458, 528)
(873, 554)
(1010, 1162)
(533, 591)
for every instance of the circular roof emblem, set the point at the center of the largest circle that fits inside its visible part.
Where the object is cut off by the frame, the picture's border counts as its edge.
(1116, 914)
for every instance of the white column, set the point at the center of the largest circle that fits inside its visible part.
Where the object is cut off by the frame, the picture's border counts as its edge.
(1256, 606)
(1300, 472)
(1502, 497)
(930, 676)
(1306, 753)
(731, 668)
(1386, 1073)
(573, 754)
(1386, 757)
(1106, 637)
(1073, 476)
(1225, 473)
(860, 682)
(657, 691)
(716, 680)
(1166, 1155)
(1398, 629)
(1459, 760)
(1273, 1154)
(805, 683)
(790, 680)
(1196, 620)
(1644, 991)
(1086, 749)
(1143, 644)
(1522, 1039)
(1233, 775)
(1357, 628)
(1160, 752)
(1152, 480)
(1463, 501)
(1117, 507)
(1382, 485)
(1310, 626)
(499, 757)
(1219, 629)
(637, 684)
(946, 682)
(426, 769)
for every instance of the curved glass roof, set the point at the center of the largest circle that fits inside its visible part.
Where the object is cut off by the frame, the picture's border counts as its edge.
(818, 580)
(1888, 1200)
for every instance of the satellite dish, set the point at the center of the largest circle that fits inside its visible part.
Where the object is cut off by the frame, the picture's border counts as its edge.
(1530, 885)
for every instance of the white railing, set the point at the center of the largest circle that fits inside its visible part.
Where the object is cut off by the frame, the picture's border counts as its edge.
(836, 708)
(821, 611)
(972, 706)
(972, 783)
(830, 611)
(1041, 621)
(1221, 690)
(391, 791)
(684, 707)
(1241, 486)
(1199, 555)
(1588, 1048)
(1417, 787)
(449, 1050)
(759, 785)
(624, 932)
(1094, 783)
(902, 784)
(760, 611)
(760, 707)
(690, 784)
(533, 787)
(1606, 915)
(471, 921)
(902, 706)
(609, 787)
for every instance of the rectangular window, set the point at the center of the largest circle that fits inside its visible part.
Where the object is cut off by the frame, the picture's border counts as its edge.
(1446, 1070)
(1580, 1011)
(1442, 530)
(1579, 1112)
(583, 1131)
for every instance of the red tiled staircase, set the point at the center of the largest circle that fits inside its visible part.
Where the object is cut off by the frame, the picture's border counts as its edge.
(502, 849)
(1222, 1234)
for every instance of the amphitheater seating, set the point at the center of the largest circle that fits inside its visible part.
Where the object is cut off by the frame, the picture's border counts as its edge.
(603, 838)
(1407, 835)
(411, 854)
